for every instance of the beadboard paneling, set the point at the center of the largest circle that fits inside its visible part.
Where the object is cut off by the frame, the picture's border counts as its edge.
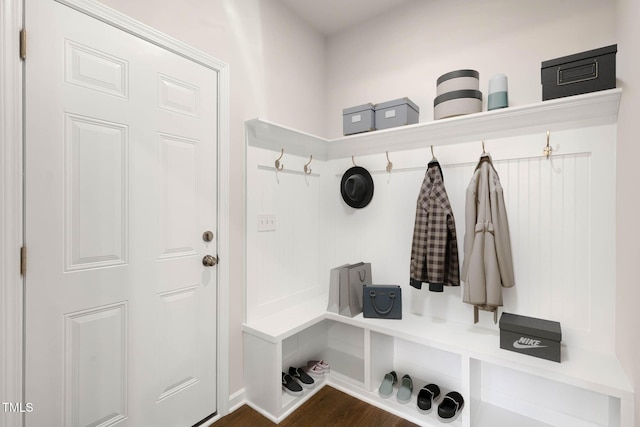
(282, 265)
(561, 213)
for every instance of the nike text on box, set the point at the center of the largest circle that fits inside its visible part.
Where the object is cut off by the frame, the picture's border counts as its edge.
(531, 336)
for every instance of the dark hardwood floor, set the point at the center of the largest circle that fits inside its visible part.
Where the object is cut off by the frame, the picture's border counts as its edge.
(328, 407)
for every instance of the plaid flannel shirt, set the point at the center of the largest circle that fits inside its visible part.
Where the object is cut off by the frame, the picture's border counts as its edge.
(434, 252)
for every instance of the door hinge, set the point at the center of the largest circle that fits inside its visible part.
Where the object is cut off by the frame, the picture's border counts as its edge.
(23, 261)
(23, 44)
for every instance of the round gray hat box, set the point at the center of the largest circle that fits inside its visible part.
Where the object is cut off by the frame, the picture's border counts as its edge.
(457, 94)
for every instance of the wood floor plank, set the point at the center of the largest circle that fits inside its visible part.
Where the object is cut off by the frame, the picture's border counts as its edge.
(328, 407)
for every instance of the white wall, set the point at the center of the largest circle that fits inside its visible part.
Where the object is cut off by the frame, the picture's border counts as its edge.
(277, 73)
(628, 205)
(404, 52)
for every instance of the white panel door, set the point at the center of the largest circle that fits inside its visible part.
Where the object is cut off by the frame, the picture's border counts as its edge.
(121, 141)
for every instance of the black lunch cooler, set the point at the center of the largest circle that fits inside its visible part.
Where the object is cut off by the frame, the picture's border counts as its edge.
(583, 72)
(531, 336)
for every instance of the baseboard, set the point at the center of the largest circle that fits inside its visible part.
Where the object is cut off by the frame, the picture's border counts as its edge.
(236, 400)
(263, 413)
(309, 394)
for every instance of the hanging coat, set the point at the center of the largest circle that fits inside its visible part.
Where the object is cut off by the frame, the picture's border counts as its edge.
(434, 251)
(488, 264)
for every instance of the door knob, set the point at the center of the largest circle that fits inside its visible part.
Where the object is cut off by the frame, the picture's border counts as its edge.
(209, 261)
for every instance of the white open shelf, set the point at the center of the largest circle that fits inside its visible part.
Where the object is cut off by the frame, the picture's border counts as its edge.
(591, 109)
(410, 410)
(290, 402)
(286, 323)
(593, 371)
(345, 366)
(489, 415)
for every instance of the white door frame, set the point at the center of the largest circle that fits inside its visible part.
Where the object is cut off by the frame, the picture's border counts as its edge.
(10, 210)
(12, 187)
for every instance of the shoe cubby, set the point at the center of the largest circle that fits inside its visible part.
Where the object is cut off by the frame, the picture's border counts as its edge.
(267, 356)
(500, 388)
(425, 365)
(528, 400)
(341, 345)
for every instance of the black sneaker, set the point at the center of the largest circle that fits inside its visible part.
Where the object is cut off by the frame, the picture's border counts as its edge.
(303, 378)
(290, 385)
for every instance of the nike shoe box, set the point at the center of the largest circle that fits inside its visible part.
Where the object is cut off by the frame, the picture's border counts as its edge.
(531, 336)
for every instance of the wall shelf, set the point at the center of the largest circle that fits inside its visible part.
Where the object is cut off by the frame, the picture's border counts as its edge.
(592, 109)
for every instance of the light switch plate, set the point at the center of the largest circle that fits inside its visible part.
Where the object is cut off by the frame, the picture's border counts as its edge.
(267, 222)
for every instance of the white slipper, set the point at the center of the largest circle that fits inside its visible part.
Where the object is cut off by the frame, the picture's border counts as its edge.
(315, 371)
(323, 364)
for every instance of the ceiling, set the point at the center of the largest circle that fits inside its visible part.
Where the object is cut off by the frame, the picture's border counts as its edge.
(333, 16)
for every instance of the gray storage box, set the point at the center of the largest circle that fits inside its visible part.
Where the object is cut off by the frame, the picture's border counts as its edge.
(398, 112)
(358, 119)
(528, 335)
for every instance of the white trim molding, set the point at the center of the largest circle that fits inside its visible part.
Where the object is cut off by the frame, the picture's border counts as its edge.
(224, 264)
(11, 192)
(590, 109)
(237, 399)
(11, 303)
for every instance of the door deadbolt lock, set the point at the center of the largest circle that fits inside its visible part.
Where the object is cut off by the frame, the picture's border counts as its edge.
(209, 261)
(207, 236)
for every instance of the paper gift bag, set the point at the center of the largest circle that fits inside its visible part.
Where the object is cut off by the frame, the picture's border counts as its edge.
(352, 278)
(334, 289)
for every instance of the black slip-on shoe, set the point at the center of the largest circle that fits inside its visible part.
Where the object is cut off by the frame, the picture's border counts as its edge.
(290, 385)
(303, 378)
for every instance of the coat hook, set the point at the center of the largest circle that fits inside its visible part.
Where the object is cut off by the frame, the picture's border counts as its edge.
(547, 150)
(433, 156)
(280, 166)
(307, 169)
(389, 164)
(483, 152)
(353, 161)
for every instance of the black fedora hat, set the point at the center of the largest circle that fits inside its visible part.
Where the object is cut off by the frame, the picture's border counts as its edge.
(356, 187)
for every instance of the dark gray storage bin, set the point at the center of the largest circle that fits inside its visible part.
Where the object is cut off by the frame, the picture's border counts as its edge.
(398, 112)
(358, 119)
(531, 336)
(583, 72)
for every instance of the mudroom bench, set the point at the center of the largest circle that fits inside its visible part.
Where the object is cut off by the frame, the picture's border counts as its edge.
(561, 210)
(585, 389)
